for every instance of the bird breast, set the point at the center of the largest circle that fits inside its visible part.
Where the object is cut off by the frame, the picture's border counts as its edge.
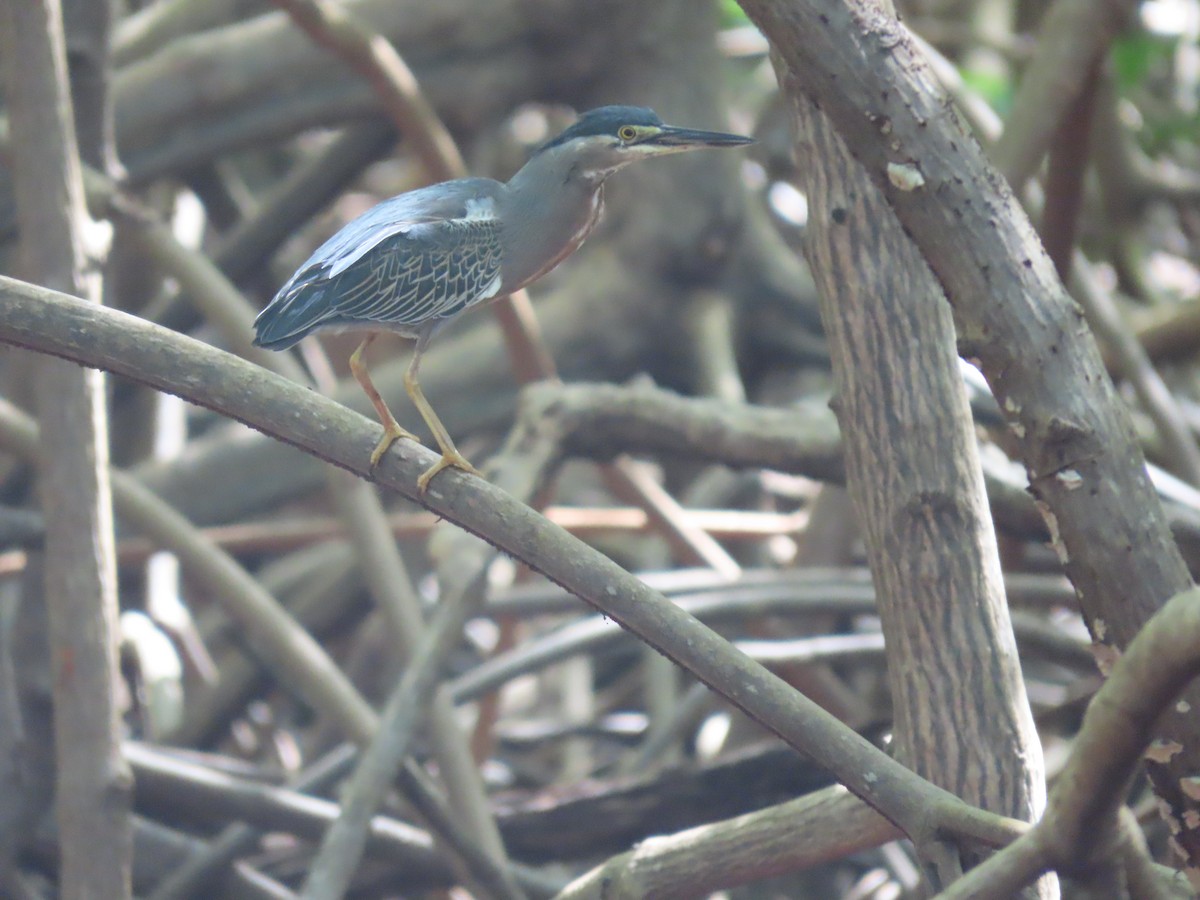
(561, 234)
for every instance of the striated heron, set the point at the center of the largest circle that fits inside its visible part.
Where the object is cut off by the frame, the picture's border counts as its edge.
(416, 261)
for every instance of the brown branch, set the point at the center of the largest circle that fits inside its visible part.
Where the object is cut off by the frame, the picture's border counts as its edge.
(1118, 728)
(628, 479)
(1011, 313)
(284, 535)
(598, 421)
(89, 66)
(53, 323)
(285, 648)
(814, 829)
(372, 55)
(1069, 158)
(1074, 36)
(924, 516)
(92, 790)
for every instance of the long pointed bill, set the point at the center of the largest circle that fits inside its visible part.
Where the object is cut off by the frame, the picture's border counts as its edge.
(676, 139)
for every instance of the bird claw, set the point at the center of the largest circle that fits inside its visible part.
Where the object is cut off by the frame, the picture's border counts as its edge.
(391, 434)
(453, 460)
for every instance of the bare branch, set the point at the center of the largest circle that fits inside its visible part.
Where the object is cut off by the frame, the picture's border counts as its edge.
(80, 591)
(53, 323)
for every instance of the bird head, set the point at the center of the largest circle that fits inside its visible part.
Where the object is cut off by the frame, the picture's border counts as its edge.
(604, 140)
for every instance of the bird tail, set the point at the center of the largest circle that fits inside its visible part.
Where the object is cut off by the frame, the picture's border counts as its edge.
(297, 310)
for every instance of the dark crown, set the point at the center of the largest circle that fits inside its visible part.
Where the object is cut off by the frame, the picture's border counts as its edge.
(604, 121)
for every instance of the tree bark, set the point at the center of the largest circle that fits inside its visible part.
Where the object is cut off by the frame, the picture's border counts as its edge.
(1012, 314)
(93, 781)
(913, 470)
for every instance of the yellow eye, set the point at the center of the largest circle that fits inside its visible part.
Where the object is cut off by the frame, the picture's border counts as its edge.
(627, 133)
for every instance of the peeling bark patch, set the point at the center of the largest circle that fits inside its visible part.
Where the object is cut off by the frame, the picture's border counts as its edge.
(1106, 656)
(1060, 430)
(905, 176)
(1070, 479)
(1162, 750)
(1056, 541)
(1191, 789)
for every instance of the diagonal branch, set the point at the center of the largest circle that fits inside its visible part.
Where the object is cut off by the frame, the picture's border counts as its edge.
(53, 323)
(79, 590)
(1012, 313)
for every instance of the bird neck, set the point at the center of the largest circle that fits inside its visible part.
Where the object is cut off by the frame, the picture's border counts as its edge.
(549, 211)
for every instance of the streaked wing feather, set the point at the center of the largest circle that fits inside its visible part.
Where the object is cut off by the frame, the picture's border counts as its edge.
(392, 265)
(412, 278)
(407, 213)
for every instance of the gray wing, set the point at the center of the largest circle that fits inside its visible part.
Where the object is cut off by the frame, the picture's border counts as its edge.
(429, 272)
(422, 256)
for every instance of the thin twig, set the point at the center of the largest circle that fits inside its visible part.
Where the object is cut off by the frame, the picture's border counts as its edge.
(1119, 725)
(198, 871)
(275, 638)
(341, 850)
(79, 587)
(360, 508)
(371, 54)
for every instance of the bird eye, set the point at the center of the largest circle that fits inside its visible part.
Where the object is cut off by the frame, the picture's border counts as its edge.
(627, 132)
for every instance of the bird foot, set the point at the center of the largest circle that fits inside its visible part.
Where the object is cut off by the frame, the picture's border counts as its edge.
(391, 434)
(449, 460)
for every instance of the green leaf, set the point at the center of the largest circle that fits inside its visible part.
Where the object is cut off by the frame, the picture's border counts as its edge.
(731, 14)
(995, 88)
(1135, 56)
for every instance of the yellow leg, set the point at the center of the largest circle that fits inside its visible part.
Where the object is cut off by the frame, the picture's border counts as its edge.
(450, 454)
(391, 428)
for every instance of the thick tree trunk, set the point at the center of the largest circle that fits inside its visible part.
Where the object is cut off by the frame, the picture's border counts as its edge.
(1013, 314)
(912, 466)
(93, 783)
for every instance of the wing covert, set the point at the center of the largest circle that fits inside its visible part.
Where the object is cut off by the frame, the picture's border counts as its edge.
(430, 271)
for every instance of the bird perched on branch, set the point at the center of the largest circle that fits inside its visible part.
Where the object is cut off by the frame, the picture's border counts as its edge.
(416, 261)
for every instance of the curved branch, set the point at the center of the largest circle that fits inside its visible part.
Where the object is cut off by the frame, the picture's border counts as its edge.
(54, 323)
(1074, 35)
(1011, 312)
(1117, 730)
